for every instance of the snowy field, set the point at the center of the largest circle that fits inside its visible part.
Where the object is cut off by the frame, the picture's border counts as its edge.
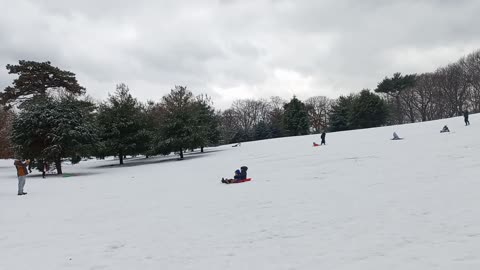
(361, 202)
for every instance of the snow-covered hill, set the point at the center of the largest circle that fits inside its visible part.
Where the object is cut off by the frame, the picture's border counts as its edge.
(361, 202)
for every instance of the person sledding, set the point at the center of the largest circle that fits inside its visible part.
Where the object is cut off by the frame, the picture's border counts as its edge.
(240, 176)
(396, 137)
(315, 144)
(445, 129)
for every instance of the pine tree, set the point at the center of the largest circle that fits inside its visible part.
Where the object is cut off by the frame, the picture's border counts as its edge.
(277, 128)
(52, 129)
(179, 121)
(369, 110)
(6, 150)
(121, 122)
(37, 79)
(262, 131)
(206, 130)
(295, 118)
(341, 113)
(393, 87)
(363, 110)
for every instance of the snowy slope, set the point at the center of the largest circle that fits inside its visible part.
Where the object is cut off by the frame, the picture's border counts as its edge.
(361, 202)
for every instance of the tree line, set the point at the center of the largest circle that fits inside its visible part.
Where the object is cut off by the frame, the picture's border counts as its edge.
(445, 92)
(46, 116)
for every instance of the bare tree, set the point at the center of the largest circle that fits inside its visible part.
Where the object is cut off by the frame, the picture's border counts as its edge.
(229, 126)
(318, 108)
(471, 66)
(248, 113)
(277, 103)
(408, 103)
(453, 85)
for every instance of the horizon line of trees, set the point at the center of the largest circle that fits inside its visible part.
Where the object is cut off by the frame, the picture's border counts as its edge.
(45, 115)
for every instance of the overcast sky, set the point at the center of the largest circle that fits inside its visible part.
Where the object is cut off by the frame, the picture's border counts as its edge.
(233, 49)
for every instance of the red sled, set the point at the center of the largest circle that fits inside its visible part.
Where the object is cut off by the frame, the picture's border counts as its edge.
(240, 181)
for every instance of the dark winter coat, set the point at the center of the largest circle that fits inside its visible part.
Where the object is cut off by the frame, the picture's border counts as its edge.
(323, 136)
(465, 114)
(243, 172)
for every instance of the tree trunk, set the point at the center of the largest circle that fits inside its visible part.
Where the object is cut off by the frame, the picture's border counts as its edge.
(120, 156)
(58, 165)
(181, 153)
(201, 149)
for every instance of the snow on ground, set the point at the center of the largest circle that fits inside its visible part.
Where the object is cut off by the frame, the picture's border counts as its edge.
(361, 202)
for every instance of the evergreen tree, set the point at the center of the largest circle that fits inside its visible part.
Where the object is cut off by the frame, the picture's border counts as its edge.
(277, 128)
(52, 129)
(362, 110)
(393, 88)
(262, 131)
(6, 150)
(369, 110)
(207, 130)
(37, 79)
(151, 131)
(121, 122)
(295, 118)
(341, 113)
(179, 122)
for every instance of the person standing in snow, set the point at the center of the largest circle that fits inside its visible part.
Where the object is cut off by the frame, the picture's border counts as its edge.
(44, 168)
(323, 138)
(465, 116)
(22, 172)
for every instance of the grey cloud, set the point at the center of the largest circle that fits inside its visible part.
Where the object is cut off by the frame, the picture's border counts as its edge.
(333, 46)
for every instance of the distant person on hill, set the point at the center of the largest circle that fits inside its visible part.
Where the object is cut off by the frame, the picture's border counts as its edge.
(465, 116)
(323, 138)
(395, 136)
(239, 175)
(445, 129)
(45, 168)
(22, 172)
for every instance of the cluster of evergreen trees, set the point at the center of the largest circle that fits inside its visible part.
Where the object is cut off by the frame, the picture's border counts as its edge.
(363, 110)
(46, 116)
(261, 119)
(54, 120)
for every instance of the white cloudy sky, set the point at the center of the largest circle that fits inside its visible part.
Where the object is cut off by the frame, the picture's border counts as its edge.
(237, 49)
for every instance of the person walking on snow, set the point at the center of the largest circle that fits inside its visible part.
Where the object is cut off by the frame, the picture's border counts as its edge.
(465, 115)
(22, 172)
(323, 138)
